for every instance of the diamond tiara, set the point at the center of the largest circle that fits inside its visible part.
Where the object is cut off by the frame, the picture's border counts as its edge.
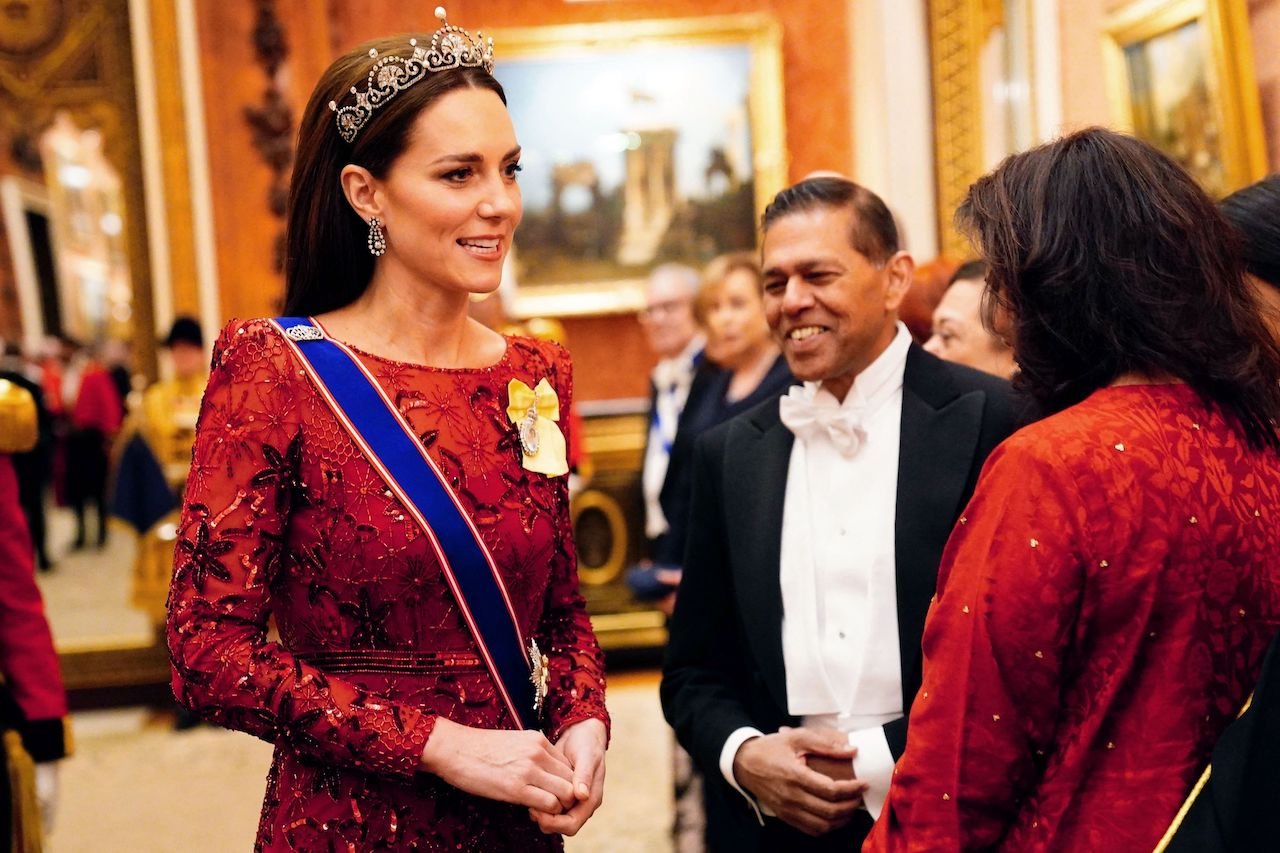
(451, 47)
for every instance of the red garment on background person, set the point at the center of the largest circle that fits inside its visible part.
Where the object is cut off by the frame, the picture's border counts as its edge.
(285, 518)
(51, 373)
(97, 403)
(1103, 608)
(28, 661)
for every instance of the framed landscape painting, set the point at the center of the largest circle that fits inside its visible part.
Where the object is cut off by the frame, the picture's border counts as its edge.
(1181, 77)
(643, 143)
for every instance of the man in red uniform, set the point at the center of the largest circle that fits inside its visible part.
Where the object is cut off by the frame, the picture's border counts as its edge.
(33, 704)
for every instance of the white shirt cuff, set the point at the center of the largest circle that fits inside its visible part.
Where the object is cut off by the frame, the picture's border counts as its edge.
(873, 764)
(729, 752)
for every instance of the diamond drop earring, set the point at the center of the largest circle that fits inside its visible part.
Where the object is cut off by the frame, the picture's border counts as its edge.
(377, 239)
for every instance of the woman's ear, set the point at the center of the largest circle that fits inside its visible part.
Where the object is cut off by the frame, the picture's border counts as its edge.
(360, 188)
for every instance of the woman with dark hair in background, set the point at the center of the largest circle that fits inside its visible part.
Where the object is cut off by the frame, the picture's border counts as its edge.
(1255, 212)
(1105, 601)
(386, 478)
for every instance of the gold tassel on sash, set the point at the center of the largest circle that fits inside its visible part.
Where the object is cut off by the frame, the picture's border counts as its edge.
(25, 836)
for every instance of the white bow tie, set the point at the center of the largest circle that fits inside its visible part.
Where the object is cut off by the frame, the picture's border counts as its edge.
(807, 418)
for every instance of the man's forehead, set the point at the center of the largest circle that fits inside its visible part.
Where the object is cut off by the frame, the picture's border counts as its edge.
(801, 255)
(808, 236)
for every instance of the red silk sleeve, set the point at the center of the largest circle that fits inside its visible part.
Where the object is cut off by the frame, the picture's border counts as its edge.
(997, 635)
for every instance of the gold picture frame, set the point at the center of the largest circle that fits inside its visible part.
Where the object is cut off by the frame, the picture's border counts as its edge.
(629, 173)
(1180, 75)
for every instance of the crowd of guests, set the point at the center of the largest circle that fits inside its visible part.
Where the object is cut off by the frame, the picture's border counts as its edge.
(80, 393)
(1004, 585)
(974, 614)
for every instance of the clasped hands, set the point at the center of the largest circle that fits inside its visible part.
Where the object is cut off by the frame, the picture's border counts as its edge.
(562, 784)
(779, 770)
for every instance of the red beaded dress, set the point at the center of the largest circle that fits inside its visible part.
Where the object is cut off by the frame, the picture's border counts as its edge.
(285, 520)
(1102, 611)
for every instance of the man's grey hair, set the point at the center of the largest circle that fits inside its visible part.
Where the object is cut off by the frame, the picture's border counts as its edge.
(683, 275)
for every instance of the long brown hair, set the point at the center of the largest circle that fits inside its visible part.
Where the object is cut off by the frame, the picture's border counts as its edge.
(328, 264)
(1110, 260)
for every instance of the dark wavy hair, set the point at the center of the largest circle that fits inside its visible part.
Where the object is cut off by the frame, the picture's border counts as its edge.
(1111, 259)
(1255, 212)
(328, 264)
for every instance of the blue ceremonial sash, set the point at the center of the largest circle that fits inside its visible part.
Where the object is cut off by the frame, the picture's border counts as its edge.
(394, 451)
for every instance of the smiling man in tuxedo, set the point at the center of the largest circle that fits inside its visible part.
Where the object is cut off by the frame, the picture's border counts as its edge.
(817, 526)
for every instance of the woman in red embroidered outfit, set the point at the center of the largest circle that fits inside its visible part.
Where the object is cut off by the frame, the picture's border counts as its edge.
(1105, 600)
(390, 733)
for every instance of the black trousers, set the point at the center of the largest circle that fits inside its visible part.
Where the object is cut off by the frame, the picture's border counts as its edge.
(32, 481)
(86, 479)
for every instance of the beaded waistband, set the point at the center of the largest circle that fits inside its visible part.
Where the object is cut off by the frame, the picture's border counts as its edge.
(392, 662)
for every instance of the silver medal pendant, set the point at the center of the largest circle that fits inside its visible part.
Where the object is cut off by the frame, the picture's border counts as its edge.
(539, 675)
(529, 432)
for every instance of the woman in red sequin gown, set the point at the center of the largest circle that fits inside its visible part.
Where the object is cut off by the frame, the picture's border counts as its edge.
(1106, 599)
(389, 734)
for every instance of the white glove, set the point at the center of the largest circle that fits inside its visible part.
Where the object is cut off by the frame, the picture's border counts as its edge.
(47, 792)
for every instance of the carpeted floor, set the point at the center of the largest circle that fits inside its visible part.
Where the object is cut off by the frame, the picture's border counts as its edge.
(136, 786)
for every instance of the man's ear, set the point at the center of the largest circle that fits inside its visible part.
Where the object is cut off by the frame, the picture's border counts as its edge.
(900, 270)
(361, 189)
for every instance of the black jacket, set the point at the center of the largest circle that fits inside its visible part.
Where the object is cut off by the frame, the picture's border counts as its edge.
(724, 663)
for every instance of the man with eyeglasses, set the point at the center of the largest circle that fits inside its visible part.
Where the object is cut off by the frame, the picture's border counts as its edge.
(673, 335)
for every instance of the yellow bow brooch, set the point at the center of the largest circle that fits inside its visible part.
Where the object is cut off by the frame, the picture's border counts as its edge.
(534, 411)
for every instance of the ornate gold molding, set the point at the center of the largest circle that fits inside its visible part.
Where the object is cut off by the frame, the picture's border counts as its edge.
(956, 32)
(80, 62)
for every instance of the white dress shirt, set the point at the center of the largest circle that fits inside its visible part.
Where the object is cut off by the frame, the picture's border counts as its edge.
(672, 378)
(838, 574)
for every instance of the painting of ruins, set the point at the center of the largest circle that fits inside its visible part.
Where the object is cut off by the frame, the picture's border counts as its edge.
(633, 156)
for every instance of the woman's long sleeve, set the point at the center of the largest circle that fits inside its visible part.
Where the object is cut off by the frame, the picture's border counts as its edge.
(996, 644)
(245, 478)
(576, 680)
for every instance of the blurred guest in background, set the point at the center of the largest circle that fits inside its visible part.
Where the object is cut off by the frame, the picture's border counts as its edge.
(34, 467)
(1105, 602)
(743, 368)
(152, 469)
(116, 360)
(33, 704)
(672, 331)
(96, 415)
(928, 282)
(1255, 212)
(960, 334)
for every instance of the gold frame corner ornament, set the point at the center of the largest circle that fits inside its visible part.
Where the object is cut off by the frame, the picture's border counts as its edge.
(1229, 61)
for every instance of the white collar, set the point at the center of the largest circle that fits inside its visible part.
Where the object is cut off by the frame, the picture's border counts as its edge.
(876, 383)
(679, 367)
